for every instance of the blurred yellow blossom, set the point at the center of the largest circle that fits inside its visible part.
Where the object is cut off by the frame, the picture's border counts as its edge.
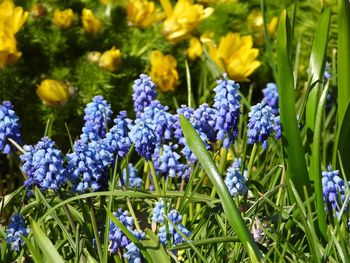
(272, 26)
(53, 93)
(163, 71)
(91, 24)
(11, 17)
(8, 48)
(11, 20)
(235, 55)
(195, 48)
(184, 18)
(207, 37)
(37, 10)
(110, 59)
(94, 56)
(141, 13)
(63, 19)
(256, 23)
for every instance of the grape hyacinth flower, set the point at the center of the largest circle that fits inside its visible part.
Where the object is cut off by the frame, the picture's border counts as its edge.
(188, 113)
(277, 127)
(158, 114)
(97, 115)
(143, 93)
(132, 253)
(118, 136)
(235, 181)
(43, 165)
(134, 180)
(261, 124)
(327, 75)
(227, 103)
(206, 118)
(271, 97)
(88, 165)
(118, 239)
(144, 137)
(333, 189)
(158, 212)
(15, 231)
(169, 161)
(176, 238)
(9, 127)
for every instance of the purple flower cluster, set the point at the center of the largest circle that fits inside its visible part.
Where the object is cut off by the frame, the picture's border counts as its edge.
(43, 165)
(15, 231)
(235, 181)
(227, 103)
(144, 93)
(261, 124)
(88, 165)
(271, 97)
(119, 240)
(134, 181)
(334, 189)
(174, 236)
(145, 139)
(97, 117)
(118, 136)
(9, 127)
(159, 116)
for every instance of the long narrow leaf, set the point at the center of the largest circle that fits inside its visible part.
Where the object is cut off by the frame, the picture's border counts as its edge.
(343, 67)
(293, 152)
(233, 215)
(343, 57)
(316, 69)
(154, 248)
(45, 244)
(315, 163)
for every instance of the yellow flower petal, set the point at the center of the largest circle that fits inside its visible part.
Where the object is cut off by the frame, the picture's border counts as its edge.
(91, 24)
(53, 93)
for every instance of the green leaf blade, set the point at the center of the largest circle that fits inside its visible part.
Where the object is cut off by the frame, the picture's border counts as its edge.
(234, 217)
(292, 146)
(45, 244)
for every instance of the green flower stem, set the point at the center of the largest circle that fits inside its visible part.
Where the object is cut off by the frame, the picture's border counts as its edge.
(110, 207)
(70, 218)
(251, 160)
(94, 227)
(148, 180)
(222, 165)
(154, 177)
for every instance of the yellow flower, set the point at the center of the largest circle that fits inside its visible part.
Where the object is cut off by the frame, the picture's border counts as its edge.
(11, 17)
(63, 19)
(94, 56)
(256, 23)
(272, 26)
(141, 13)
(184, 18)
(163, 71)
(195, 48)
(53, 93)
(110, 60)
(207, 37)
(235, 55)
(91, 24)
(8, 48)
(37, 10)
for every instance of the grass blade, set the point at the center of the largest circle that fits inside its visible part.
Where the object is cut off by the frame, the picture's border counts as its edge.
(315, 163)
(343, 66)
(316, 68)
(45, 244)
(154, 248)
(343, 57)
(232, 213)
(292, 146)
